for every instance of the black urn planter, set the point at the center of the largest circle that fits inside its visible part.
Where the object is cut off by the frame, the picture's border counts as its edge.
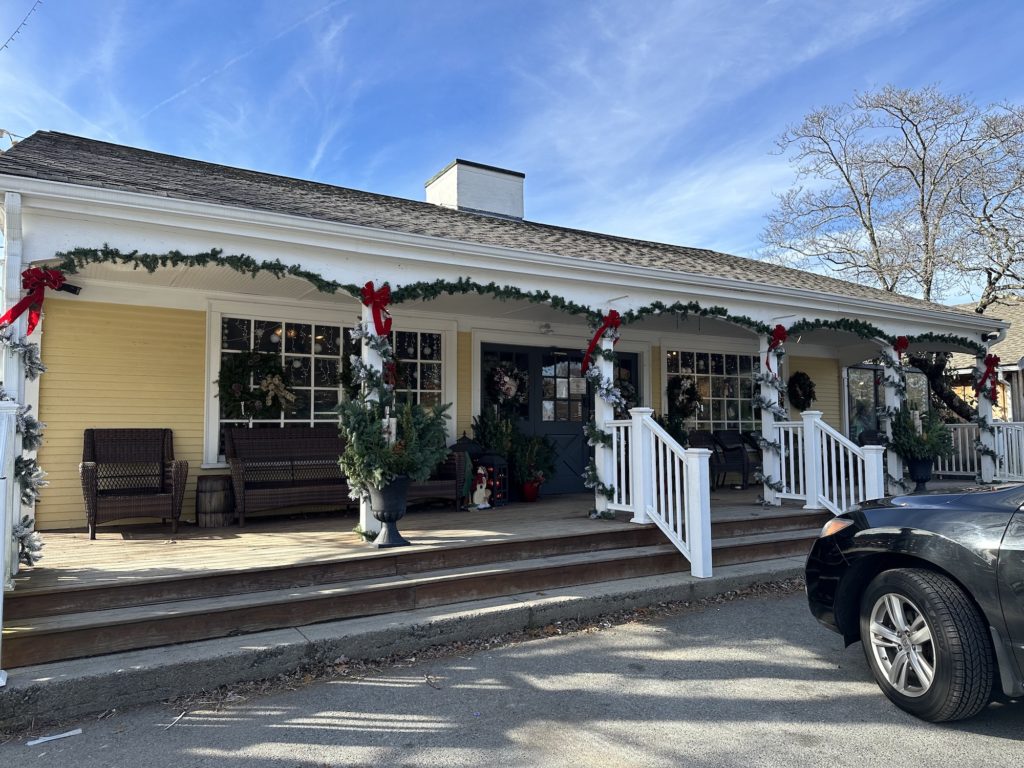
(920, 471)
(388, 506)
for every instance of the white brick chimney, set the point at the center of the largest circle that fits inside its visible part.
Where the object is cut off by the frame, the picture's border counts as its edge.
(468, 186)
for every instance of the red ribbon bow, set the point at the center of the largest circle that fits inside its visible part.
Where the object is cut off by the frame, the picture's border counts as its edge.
(779, 336)
(901, 345)
(378, 301)
(991, 363)
(35, 280)
(612, 320)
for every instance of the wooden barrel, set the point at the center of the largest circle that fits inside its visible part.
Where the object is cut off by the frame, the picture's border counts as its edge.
(215, 503)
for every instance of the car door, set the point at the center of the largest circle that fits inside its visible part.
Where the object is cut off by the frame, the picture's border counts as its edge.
(1011, 583)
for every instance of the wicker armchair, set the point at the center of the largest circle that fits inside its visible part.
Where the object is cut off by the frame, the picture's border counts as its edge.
(131, 473)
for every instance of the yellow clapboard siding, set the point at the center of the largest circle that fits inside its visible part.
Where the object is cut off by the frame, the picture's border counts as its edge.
(112, 365)
(464, 381)
(825, 373)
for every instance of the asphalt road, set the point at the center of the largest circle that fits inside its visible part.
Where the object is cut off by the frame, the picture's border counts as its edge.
(749, 683)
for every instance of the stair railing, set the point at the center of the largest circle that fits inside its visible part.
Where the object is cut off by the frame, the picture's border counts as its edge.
(661, 482)
(825, 468)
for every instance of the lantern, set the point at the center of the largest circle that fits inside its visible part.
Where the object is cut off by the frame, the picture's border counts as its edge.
(497, 477)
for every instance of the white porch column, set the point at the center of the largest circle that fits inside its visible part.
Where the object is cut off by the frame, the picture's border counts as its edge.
(893, 401)
(603, 413)
(986, 464)
(13, 376)
(771, 461)
(812, 464)
(641, 467)
(367, 522)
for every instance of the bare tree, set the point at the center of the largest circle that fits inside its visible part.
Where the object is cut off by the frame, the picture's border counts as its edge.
(907, 190)
(914, 191)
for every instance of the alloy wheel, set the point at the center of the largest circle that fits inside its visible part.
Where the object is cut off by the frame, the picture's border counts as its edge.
(902, 644)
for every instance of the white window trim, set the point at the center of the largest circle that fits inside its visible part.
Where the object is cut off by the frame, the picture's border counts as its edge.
(296, 313)
(481, 336)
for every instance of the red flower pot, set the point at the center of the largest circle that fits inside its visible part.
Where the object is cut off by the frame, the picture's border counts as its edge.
(531, 491)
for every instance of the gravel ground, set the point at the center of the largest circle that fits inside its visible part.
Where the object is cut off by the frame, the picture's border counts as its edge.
(728, 681)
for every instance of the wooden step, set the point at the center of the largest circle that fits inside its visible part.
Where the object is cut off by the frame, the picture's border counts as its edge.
(94, 632)
(52, 601)
(769, 520)
(762, 546)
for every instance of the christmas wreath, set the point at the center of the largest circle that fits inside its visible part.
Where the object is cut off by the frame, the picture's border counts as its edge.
(507, 386)
(800, 391)
(253, 385)
(684, 402)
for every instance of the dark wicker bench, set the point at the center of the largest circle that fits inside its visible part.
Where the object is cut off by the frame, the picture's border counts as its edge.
(298, 466)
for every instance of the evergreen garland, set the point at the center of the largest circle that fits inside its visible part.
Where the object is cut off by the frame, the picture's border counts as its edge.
(694, 308)
(28, 350)
(775, 485)
(30, 477)
(593, 482)
(30, 543)
(30, 428)
(596, 436)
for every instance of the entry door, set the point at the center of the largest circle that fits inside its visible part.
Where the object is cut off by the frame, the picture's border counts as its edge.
(559, 403)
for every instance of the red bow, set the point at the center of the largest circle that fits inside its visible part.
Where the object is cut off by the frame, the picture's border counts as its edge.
(35, 280)
(378, 301)
(901, 345)
(779, 336)
(991, 363)
(611, 320)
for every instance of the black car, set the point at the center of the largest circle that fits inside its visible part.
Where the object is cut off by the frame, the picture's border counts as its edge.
(933, 586)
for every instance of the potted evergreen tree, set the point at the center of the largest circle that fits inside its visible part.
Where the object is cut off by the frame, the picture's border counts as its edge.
(387, 444)
(920, 447)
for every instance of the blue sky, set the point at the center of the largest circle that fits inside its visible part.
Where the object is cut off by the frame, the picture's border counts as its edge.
(649, 119)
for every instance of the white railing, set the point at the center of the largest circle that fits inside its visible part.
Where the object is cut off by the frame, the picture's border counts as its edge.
(790, 436)
(660, 482)
(1009, 450)
(622, 500)
(825, 468)
(964, 461)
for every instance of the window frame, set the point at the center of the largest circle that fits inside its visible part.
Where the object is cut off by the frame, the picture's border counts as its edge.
(344, 316)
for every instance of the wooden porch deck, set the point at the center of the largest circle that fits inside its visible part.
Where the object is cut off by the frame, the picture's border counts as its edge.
(132, 553)
(137, 587)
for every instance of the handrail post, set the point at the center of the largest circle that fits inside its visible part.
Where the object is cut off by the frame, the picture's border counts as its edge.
(698, 511)
(603, 413)
(8, 486)
(874, 472)
(812, 463)
(641, 465)
(986, 463)
(771, 461)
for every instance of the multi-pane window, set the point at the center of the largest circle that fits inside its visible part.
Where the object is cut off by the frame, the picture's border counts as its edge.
(724, 383)
(311, 354)
(563, 388)
(418, 366)
(315, 358)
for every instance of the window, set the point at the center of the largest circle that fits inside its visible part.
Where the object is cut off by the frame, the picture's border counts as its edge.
(724, 383)
(417, 366)
(866, 394)
(315, 357)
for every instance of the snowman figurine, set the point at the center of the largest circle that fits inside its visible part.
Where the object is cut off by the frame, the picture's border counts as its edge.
(481, 493)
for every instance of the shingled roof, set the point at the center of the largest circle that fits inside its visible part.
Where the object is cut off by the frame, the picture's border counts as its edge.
(71, 159)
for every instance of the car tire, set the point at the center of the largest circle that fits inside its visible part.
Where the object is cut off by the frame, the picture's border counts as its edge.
(914, 621)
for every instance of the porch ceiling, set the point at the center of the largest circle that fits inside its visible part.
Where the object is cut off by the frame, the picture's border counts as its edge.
(488, 306)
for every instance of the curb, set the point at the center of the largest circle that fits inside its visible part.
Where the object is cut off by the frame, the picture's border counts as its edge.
(68, 690)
